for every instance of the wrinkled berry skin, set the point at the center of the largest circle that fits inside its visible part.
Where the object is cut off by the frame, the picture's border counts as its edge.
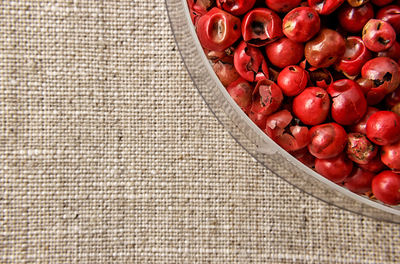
(359, 149)
(348, 102)
(353, 19)
(359, 181)
(390, 156)
(320, 77)
(325, 49)
(282, 6)
(236, 7)
(390, 14)
(325, 7)
(385, 76)
(284, 52)
(361, 126)
(327, 140)
(386, 187)
(354, 57)
(218, 30)
(393, 52)
(312, 105)
(250, 63)
(335, 169)
(292, 80)
(267, 97)
(301, 24)
(375, 165)
(225, 70)
(378, 35)
(261, 26)
(290, 137)
(383, 128)
(241, 92)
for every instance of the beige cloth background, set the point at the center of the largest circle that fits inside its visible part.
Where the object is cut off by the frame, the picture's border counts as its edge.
(109, 155)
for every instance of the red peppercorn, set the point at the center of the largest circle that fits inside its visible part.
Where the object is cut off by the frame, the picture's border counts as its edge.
(353, 19)
(386, 187)
(284, 52)
(378, 35)
(390, 14)
(383, 128)
(282, 6)
(225, 70)
(335, 169)
(292, 80)
(361, 126)
(261, 26)
(218, 30)
(312, 105)
(241, 91)
(267, 97)
(359, 181)
(359, 149)
(390, 156)
(327, 140)
(236, 7)
(348, 102)
(250, 63)
(301, 24)
(325, 7)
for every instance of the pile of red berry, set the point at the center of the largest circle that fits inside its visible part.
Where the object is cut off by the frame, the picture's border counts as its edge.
(321, 78)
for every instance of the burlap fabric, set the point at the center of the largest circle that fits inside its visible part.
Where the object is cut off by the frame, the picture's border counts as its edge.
(109, 155)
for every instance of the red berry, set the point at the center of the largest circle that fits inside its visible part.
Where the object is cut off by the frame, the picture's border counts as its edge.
(325, 7)
(282, 5)
(359, 149)
(359, 181)
(241, 92)
(267, 97)
(325, 49)
(225, 70)
(292, 80)
(301, 24)
(361, 126)
(386, 187)
(327, 140)
(390, 14)
(218, 30)
(284, 52)
(312, 105)
(378, 35)
(353, 19)
(390, 156)
(348, 102)
(335, 169)
(250, 63)
(383, 128)
(375, 165)
(261, 26)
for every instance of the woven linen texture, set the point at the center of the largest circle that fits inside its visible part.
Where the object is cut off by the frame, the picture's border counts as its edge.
(109, 155)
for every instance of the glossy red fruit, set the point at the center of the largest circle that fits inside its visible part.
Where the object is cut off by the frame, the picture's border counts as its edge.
(236, 7)
(378, 35)
(366, 85)
(353, 19)
(218, 30)
(301, 24)
(359, 181)
(335, 169)
(327, 140)
(385, 76)
(325, 49)
(325, 7)
(304, 156)
(381, 2)
(261, 26)
(361, 126)
(390, 14)
(225, 70)
(241, 92)
(359, 149)
(292, 80)
(282, 6)
(250, 63)
(383, 128)
(284, 52)
(312, 105)
(390, 156)
(348, 102)
(386, 187)
(375, 165)
(291, 137)
(198, 8)
(267, 97)
(354, 57)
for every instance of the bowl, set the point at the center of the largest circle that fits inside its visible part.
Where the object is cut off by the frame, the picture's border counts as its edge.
(253, 139)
